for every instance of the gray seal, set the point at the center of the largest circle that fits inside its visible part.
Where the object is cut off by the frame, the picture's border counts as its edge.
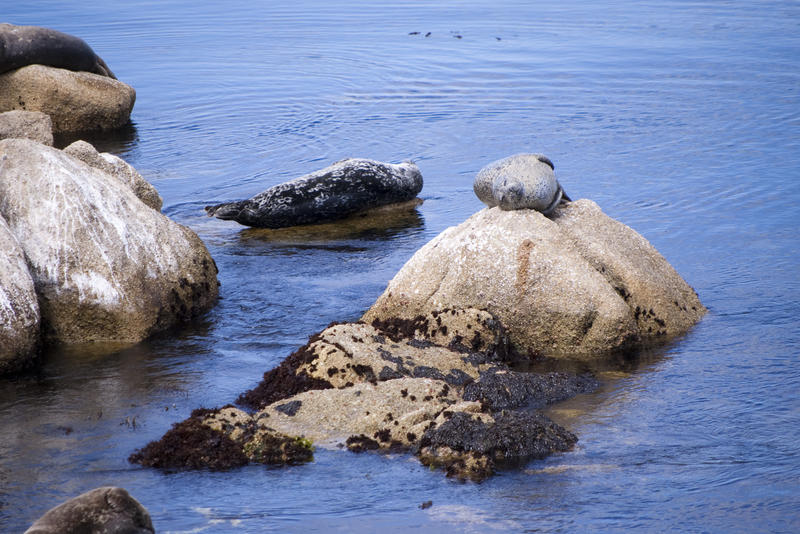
(34, 45)
(344, 188)
(522, 181)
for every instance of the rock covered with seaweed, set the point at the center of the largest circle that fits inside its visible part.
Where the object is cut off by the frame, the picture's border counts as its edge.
(387, 387)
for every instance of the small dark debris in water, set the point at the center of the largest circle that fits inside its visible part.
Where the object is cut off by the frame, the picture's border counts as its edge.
(498, 38)
(67, 430)
(428, 34)
(413, 33)
(426, 505)
(457, 36)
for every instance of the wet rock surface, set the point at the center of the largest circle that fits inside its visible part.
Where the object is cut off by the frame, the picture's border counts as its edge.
(500, 389)
(32, 125)
(107, 510)
(222, 439)
(576, 284)
(337, 191)
(390, 388)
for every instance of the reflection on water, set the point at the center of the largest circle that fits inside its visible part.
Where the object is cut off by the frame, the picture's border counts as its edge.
(379, 224)
(679, 119)
(117, 141)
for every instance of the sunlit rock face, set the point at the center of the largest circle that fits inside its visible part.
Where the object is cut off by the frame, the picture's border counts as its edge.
(33, 125)
(118, 168)
(106, 267)
(574, 284)
(19, 307)
(75, 101)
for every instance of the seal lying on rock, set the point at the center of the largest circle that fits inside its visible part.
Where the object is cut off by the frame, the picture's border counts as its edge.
(344, 188)
(523, 181)
(29, 45)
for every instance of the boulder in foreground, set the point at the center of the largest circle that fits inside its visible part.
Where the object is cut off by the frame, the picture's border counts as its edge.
(19, 307)
(105, 266)
(106, 510)
(576, 284)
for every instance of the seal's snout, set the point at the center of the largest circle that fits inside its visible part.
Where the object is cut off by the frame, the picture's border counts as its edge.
(508, 193)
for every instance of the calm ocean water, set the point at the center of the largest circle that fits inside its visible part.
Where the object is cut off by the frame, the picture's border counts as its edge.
(679, 118)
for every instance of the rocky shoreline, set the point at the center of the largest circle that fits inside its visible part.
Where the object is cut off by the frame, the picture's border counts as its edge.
(428, 370)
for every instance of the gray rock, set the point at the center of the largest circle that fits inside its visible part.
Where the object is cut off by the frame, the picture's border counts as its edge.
(106, 510)
(106, 267)
(119, 169)
(27, 124)
(523, 181)
(75, 101)
(335, 192)
(19, 307)
(578, 284)
(28, 45)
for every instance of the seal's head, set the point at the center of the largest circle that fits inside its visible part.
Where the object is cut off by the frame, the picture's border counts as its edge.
(523, 181)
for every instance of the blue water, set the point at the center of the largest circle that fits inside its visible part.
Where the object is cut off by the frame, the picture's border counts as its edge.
(679, 118)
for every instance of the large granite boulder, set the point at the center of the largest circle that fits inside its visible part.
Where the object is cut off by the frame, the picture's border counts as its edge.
(75, 101)
(118, 168)
(106, 267)
(576, 284)
(33, 125)
(106, 510)
(19, 307)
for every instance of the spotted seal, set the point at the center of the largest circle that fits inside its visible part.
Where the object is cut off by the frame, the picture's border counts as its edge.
(346, 187)
(522, 181)
(29, 45)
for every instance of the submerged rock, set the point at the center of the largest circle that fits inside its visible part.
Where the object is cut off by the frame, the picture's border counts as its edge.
(106, 510)
(32, 125)
(221, 439)
(335, 192)
(19, 307)
(578, 284)
(75, 101)
(105, 266)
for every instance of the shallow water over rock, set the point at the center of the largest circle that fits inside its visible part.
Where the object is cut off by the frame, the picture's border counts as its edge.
(680, 120)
